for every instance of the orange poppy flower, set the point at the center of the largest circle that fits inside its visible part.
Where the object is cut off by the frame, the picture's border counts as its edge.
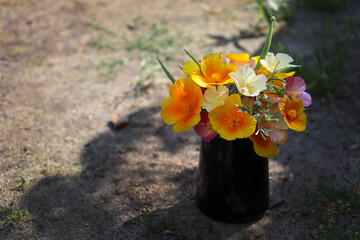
(183, 107)
(214, 71)
(293, 113)
(229, 122)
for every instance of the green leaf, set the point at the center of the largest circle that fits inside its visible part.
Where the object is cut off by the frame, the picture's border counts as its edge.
(168, 74)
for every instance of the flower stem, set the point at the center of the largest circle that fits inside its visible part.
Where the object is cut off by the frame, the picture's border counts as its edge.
(267, 43)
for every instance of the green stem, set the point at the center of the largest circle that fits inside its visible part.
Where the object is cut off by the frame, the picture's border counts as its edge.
(267, 43)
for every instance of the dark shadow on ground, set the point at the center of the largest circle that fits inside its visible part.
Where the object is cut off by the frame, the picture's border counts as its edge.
(86, 205)
(243, 34)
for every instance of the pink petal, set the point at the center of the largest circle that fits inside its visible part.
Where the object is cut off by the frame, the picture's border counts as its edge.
(276, 135)
(306, 98)
(204, 129)
(295, 84)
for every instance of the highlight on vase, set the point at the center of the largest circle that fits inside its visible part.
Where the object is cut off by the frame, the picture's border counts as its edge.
(234, 95)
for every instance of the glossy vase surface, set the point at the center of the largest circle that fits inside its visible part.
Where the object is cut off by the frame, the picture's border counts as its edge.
(233, 181)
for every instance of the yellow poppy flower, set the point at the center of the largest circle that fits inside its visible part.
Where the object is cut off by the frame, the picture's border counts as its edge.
(183, 107)
(293, 113)
(214, 72)
(229, 122)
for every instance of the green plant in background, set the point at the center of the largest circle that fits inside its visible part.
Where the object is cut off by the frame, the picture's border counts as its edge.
(98, 42)
(11, 215)
(156, 224)
(143, 42)
(278, 8)
(327, 69)
(338, 216)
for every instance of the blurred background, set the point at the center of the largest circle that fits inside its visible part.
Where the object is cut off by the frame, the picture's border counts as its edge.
(86, 155)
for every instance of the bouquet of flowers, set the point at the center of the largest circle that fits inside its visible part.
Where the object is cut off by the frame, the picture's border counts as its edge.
(237, 96)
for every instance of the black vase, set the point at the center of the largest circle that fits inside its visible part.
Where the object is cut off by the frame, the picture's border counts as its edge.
(233, 181)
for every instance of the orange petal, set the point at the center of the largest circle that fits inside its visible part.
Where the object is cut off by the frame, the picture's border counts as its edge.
(214, 72)
(186, 123)
(229, 122)
(263, 148)
(200, 80)
(288, 107)
(183, 107)
(171, 111)
(298, 124)
(239, 59)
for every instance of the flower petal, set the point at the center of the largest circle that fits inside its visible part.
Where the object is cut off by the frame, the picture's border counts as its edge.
(283, 60)
(190, 67)
(183, 106)
(299, 124)
(204, 129)
(293, 113)
(247, 82)
(229, 122)
(239, 59)
(295, 84)
(263, 148)
(257, 85)
(187, 122)
(215, 97)
(214, 72)
(306, 98)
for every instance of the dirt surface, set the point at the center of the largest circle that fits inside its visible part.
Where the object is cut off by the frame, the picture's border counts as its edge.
(78, 178)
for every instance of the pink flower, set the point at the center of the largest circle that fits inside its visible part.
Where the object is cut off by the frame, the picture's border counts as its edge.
(204, 128)
(295, 86)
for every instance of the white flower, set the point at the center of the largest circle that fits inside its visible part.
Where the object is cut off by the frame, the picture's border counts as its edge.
(272, 62)
(215, 97)
(247, 82)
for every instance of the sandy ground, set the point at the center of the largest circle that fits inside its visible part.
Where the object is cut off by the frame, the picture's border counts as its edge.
(78, 178)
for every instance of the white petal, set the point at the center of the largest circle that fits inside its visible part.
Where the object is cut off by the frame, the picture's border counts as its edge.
(234, 75)
(256, 85)
(214, 98)
(269, 61)
(244, 91)
(264, 63)
(246, 72)
(283, 60)
(224, 91)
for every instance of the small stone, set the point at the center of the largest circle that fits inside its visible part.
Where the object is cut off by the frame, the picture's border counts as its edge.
(119, 121)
